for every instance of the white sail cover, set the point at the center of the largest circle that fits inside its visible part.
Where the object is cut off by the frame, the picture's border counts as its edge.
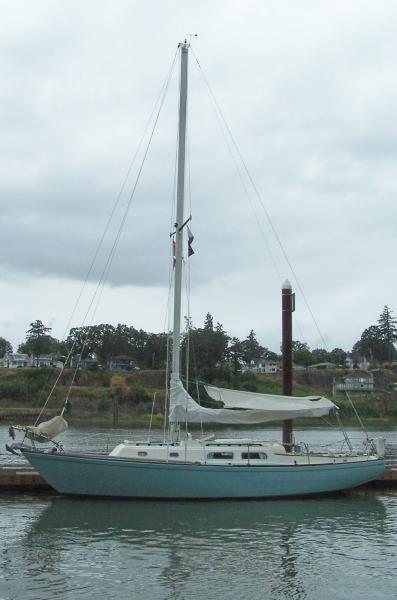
(47, 430)
(248, 407)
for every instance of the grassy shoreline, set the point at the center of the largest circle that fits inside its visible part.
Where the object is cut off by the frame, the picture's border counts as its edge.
(131, 421)
(95, 394)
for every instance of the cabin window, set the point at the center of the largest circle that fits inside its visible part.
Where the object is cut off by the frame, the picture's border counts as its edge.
(220, 455)
(142, 453)
(174, 454)
(254, 455)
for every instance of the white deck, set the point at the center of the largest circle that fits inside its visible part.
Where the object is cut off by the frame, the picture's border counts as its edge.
(235, 452)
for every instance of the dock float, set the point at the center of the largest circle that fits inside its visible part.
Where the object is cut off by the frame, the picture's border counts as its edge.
(389, 477)
(24, 478)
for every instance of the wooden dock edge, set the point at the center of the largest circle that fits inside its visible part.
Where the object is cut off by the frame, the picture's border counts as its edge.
(23, 479)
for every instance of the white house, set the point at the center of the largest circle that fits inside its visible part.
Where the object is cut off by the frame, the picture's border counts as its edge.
(18, 360)
(84, 363)
(15, 361)
(264, 365)
(354, 382)
(47, 360)
(122, 363)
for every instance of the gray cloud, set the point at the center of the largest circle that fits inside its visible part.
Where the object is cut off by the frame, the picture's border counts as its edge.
(310, 93)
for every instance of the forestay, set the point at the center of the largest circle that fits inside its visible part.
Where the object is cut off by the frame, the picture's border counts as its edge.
(243, 407)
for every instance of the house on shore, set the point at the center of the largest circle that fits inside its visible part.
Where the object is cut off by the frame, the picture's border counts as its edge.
(354, 382)
(16, 361)
(263, 365)
(77, 362)
(47, 361)
(122, 363)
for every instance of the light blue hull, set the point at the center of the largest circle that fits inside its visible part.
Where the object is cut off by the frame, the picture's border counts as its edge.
(106, 476)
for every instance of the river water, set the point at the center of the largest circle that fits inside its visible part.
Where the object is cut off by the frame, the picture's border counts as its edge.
(340, 547)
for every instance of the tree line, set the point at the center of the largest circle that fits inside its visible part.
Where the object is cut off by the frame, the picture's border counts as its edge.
(205, 350)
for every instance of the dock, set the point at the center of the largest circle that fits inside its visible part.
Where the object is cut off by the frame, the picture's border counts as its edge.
(24, 478)
(389, 478)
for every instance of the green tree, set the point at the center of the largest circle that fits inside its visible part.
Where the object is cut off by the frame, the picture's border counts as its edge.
(235, 354)
(320, 355)
(5, 347)
(338, 356)
(104, 341)
(302, 354)
(81, 340)
(155, 356)
(208, 348)
(38, 341)
(270, 355)
(209, 322)
(371, 345)
(388, 329)
(251, 348)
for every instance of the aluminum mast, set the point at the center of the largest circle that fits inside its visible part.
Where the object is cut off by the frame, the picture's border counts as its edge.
(179, 211)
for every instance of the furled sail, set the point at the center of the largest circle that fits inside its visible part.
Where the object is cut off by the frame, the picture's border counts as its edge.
(243, 407)
(47, 430)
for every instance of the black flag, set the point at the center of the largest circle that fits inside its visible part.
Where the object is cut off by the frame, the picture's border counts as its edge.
(190, 238)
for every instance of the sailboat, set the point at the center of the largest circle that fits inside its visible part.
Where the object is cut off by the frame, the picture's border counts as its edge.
(208, 467)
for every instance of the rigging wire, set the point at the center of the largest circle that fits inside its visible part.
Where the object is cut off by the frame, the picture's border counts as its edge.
(167, 324)
(248, 196)
(104, 275)
(151, 417)
(357, 415)
(101, 283)
(188, 285)
(187, 268)
(119, 195)
(247, 193)
(259, 198)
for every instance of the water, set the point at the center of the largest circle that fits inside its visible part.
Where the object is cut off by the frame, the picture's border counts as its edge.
(342, 547)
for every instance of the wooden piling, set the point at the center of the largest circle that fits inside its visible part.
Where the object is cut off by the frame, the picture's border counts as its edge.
(288, 307)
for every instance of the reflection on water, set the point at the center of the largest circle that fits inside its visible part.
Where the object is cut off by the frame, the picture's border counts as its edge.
(341, 547)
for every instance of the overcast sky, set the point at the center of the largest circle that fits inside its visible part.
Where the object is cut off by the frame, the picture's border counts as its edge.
(309, 90)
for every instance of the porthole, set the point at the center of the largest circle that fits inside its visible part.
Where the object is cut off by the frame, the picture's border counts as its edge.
(220, 455)
(253, 455)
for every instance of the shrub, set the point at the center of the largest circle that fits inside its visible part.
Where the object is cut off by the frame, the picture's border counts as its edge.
(14, 389)
(103, 405)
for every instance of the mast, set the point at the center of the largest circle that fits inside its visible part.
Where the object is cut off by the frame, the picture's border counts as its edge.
(180, 198)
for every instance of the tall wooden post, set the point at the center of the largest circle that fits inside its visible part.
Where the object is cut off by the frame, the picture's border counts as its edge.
(288, 307)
